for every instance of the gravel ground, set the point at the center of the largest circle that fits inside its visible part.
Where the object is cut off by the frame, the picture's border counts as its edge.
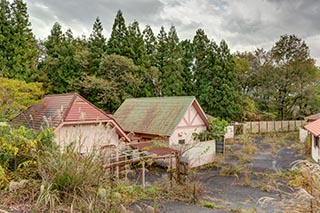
(230, 192)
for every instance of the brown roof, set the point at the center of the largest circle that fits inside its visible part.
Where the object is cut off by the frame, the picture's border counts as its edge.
(62, 108)
(311, 118)
(153, 148)
(314, 127)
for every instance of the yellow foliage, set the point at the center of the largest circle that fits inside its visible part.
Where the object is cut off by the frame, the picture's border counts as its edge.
(17, 96)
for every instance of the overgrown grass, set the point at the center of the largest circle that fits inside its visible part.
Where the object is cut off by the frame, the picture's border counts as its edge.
(209, 204)
(231, 170)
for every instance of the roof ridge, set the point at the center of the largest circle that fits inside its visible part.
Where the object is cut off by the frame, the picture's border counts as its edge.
(62, 94)
(69, 107)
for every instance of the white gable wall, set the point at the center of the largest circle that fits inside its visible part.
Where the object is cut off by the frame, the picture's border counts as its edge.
(190, 123)
(87, 136)
(194, 152)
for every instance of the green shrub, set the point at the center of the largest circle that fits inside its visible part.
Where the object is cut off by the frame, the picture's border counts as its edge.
(18, 146)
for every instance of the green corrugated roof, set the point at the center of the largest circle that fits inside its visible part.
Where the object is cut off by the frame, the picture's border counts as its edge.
(157, 115)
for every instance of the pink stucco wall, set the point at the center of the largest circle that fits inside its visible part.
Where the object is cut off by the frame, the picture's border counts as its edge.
(87, 136)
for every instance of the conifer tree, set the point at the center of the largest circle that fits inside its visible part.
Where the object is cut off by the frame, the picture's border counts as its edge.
(201, 46)
(150, 42)
(219, 94)
(118, 41)
(5, 37)
(61, 65)
(171, 73)
(21, 55)
(187, 62)
(137, 48)
(97, 47)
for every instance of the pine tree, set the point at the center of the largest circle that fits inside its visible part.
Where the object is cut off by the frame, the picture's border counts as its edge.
(5, 36)
(150, 42)
(61, 66)
(137, 48)
(201, 46)
(161, 47)
(219, 94)
(172, 80)
(118, 41)
(97, 47)
(25, 54)
(187, 62)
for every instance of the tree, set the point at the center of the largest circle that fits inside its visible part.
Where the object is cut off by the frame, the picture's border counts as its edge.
(169, 62)
(201, 46)
(219, 94)
(187, 62)
(16, 96)
(5, 36)
(121, 77)
(19, 55)
(118, 41)
(295, 72)
(150, 42)
(97, 46)
(137, 47)
(172, 68)
(61, 66)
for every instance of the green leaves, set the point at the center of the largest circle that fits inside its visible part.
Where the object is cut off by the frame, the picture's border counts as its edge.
(283, 81)
(18, 54)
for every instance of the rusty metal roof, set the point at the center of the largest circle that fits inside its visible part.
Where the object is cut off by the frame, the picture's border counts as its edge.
(155, 116)
(58, 108)
(313, 127)
(151, 147)
(312, 117)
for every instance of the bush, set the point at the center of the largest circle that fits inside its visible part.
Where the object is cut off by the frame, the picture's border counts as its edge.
(69, 171)
(18, 146)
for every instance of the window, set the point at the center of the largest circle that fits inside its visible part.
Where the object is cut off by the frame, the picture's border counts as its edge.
(316, 141)
(183, 141)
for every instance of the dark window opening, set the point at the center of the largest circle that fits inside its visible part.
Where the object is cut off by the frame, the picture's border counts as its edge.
(183, 141)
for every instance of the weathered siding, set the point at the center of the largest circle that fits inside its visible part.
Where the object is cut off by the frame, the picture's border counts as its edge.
(88, 137)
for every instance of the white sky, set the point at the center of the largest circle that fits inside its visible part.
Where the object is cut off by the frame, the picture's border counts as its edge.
(244, 24)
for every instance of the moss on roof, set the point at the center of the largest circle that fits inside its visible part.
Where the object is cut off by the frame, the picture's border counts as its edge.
(157, 115)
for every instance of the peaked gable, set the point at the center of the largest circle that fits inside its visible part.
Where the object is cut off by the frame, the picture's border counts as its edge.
(156, 116)
(58, 108)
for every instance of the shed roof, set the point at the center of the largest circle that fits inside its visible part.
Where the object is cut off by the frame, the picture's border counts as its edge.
(311, 118)
(151, 147)
(313, 127)
(155, 116)
(62, 108)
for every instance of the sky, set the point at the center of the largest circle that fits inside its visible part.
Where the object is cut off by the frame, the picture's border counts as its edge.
(244, 24)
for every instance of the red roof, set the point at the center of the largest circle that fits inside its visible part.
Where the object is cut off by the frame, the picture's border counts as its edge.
(62, 108)
(314, 127)
(151, 147)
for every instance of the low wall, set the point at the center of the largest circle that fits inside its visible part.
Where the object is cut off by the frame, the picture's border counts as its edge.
(303, 134)
(272, 126)
(197, 154)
